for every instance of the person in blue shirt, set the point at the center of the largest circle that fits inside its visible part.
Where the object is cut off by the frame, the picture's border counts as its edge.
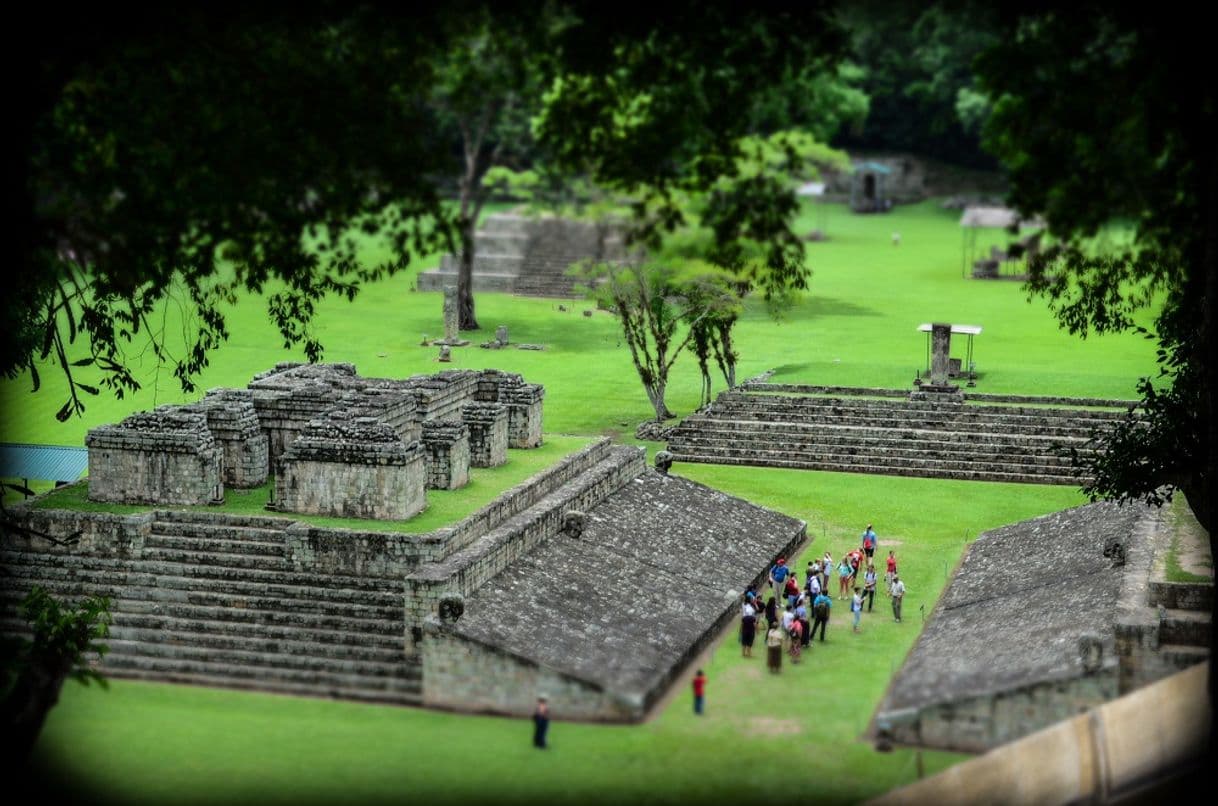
(870, 541)
(820, 613)
(778, 578)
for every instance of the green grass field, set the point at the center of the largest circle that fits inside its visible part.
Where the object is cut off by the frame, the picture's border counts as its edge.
(799, 732)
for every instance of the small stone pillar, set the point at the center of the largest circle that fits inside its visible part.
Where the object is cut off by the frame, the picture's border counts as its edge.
(524, 404)
(452, 319)
(233, 423)
(488, 433)
(446, 445)
(940, 353)
(501, 335)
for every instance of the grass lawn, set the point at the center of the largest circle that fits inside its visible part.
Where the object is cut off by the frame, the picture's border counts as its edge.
(799, 732)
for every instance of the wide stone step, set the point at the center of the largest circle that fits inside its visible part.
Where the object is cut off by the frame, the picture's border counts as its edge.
(405, 683)
(829, 445)
(166, 551)
(256, 596)
(354, 650)
(886, 459)
(217, 546)
(277, 662)
(880, 469)
(372, 634)
(219, 531)
(902, 403)
(920, 422)
(308, 582)
(1185, 627)
(1183, 656)
(182, 518)
(698, 425)
(399, 696)
(237, 620)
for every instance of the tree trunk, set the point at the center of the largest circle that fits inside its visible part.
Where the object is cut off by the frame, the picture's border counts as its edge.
(655, 393)
(465, 277)
(32, 697)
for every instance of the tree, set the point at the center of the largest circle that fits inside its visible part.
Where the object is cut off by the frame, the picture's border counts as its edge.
(653, 300)
(35, 669)
(1102, 111)
(194, 153)
(487, 89)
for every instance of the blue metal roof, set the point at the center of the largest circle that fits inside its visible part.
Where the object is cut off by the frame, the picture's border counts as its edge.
(872, 167)
(42, 462)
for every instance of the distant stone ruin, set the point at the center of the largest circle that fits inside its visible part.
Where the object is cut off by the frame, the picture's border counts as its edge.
(530, 255)
(338, 444)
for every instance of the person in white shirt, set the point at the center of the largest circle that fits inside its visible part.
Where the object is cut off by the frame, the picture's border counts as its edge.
(898, 593)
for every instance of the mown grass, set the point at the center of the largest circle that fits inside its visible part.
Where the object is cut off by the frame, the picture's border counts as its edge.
(796, 736)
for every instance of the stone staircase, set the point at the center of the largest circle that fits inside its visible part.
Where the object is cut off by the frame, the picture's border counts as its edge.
(858, 432)
(1185, 622)
(500, 250)
(219, 604)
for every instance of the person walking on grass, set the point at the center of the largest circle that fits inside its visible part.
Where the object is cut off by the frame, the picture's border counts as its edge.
(801, 614)
(870, 541)
(541, 722)
(699, 692)
(820, 613)
(869, 581)
(844, 577)
(891, 572)
(898, 593)
(826, 571)
(795, 637)
(773, 648)
(856, 607)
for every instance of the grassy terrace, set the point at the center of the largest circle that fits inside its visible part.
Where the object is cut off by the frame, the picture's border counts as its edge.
(802, 730)
(444, 507)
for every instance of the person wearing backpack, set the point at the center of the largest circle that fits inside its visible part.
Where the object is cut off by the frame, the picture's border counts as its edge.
(801, 614)
(869, 580)
(795, 635)
(820, 613)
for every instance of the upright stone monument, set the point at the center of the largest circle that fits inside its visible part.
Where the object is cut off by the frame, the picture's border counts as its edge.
(452, 319)
(939, 388)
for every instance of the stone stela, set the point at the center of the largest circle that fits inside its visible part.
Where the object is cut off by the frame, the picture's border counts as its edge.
(452, 320)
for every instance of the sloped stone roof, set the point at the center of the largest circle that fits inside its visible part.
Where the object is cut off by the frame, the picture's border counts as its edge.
(604, 607)
(1014, 613)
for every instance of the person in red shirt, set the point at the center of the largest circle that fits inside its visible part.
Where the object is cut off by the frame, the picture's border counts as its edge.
(890, 573)
(699, 691)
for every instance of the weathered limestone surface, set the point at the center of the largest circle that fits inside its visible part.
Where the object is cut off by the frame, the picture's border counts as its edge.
(446, 444)
(163, 456)
(1036, 625)
(611, 633)
(351, 467)
(233, 422)
(488, 433)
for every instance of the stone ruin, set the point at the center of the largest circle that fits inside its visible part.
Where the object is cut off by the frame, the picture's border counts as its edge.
(337, 444)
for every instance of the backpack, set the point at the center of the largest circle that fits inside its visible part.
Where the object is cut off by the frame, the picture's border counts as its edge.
(822, 610)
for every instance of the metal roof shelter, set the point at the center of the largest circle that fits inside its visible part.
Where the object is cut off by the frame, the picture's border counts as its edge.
(988, 217)
(42, 462)
(963, 330)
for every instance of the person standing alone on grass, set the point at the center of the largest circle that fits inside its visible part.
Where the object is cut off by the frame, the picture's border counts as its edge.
(541, 723)
(699, 691)
(898, 593)
(891, 573)
(856, 607)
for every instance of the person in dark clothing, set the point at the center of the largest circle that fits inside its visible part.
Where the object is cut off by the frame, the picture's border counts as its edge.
(541, 723)
(771, 612)
(820, 614)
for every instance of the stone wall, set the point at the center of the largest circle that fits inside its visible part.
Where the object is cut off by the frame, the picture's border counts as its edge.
(365, 554)
(464, 675)
(488, 433)
(62, 531)
(233, 422)
(978, 724)
(352, 468)
(165, 456)
(446, 445)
